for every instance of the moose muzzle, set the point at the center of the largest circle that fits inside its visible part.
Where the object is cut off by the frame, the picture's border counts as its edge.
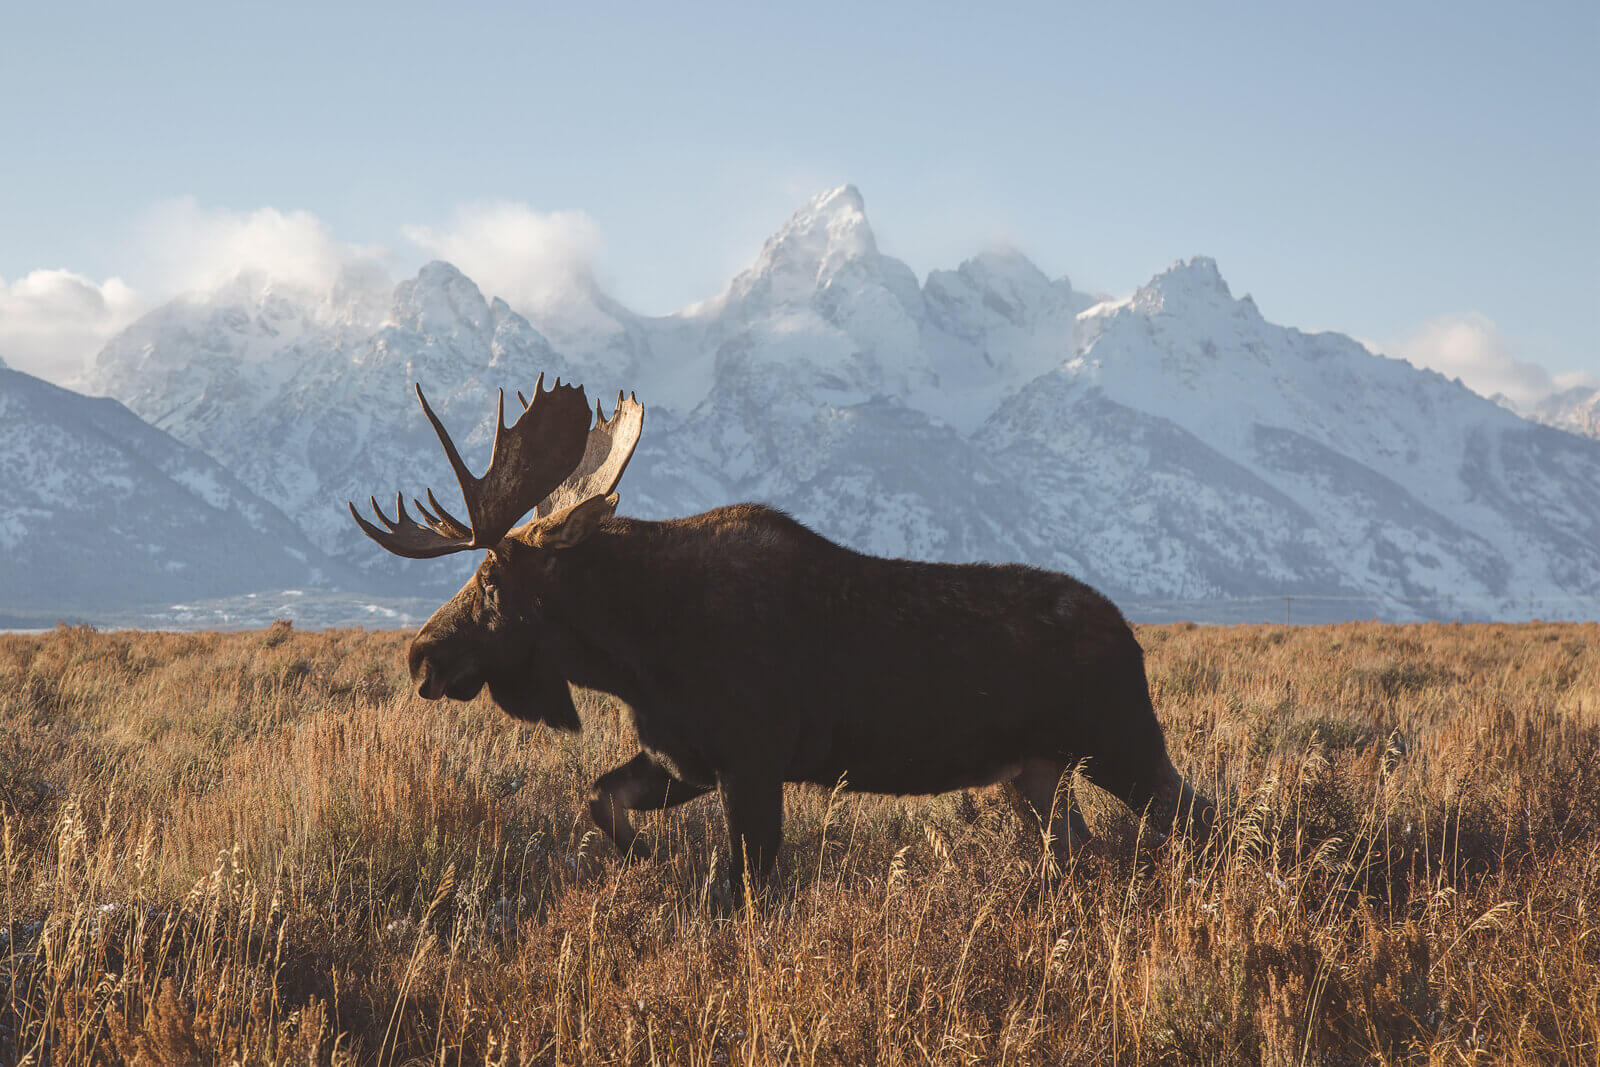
(425, 673)
(430, 685)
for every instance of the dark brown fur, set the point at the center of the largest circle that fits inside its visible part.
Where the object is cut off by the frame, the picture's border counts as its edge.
(754, 652)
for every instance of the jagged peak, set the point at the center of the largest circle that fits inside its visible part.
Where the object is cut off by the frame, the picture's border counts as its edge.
(439, 273)
(1004, 261)
(842, 204)
(1184, 284)
(832, 223)
(827, 232)
(1001, 280)
(439, 296)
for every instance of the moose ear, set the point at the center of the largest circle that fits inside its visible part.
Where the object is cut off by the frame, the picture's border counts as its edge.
(571, 526)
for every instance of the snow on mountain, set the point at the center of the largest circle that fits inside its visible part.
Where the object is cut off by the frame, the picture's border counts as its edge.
(1576, 410)
(1265, 460)
(1001, 309)
(1171, 445)
(313, 410)
(102, 512)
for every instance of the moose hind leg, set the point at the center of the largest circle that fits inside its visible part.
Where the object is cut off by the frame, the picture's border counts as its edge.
(1043, 798)
(638, 785)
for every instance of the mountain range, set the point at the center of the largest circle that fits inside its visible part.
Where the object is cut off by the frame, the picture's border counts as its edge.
(102, 511)
(1174, 446)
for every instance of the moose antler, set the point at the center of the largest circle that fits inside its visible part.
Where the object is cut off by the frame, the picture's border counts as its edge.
(549, 442)
(610, 446)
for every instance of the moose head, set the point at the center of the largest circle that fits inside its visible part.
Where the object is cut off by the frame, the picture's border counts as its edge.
(551, 462)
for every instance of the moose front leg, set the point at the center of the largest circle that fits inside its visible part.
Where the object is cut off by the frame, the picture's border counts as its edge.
(638, 785)
(754, 810)
(1042, 796)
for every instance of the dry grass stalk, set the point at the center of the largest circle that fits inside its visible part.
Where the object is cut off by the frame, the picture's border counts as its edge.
(259, 848)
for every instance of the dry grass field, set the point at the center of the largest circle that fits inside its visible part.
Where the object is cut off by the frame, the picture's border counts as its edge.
(261, 848)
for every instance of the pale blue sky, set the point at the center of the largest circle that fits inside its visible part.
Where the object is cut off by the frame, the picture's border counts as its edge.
(1367, 168)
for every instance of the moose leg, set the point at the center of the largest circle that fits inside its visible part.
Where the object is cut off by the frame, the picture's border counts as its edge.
(638, 785)
(754, 810)
(1152, 788)
(1130, 761)
(1170, 803)
(1042, 797)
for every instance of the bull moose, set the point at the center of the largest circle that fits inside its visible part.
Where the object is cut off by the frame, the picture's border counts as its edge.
(752, 651)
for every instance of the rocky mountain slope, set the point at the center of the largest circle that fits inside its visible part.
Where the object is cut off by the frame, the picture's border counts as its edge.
(1172, 446)
(102, 512)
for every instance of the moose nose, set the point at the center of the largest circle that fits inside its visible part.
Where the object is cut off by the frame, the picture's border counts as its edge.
(430, 686)
(430, 683)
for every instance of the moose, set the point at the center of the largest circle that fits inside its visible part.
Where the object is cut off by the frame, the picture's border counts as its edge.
(752, 651)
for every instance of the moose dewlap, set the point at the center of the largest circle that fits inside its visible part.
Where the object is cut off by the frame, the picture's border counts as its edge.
(752, 651)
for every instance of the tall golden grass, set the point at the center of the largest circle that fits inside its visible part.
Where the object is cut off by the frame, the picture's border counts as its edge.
(261, 848)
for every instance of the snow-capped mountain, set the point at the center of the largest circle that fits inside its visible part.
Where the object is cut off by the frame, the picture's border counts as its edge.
(1174, 445)
(314, 409)
(1576, 410)
(101, 511)
(1219, 454)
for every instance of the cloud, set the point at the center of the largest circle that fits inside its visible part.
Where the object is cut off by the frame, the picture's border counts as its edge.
(1472, 348)
(528, 258)
(52, 321)
(187, 247)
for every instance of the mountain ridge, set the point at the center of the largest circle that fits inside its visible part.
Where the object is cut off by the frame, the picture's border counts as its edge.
(1174, 443)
